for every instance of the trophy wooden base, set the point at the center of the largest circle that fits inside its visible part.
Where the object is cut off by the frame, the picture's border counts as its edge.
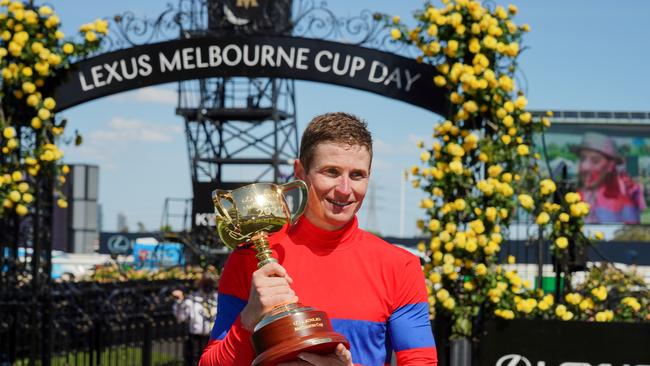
(292, 329)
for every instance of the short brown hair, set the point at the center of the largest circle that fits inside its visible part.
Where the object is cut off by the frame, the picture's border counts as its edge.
(337, 127)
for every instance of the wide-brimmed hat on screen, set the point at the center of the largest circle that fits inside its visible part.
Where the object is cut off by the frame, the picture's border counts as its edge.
(600, 143)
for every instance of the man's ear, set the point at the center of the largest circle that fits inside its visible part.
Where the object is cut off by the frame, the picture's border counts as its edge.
(298, 170)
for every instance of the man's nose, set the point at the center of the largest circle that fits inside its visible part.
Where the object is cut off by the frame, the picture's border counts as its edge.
(344, 185)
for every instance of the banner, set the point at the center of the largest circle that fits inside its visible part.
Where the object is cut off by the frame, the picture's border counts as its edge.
(357, 67)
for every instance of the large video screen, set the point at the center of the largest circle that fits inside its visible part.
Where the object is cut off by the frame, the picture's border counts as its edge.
(609, 164)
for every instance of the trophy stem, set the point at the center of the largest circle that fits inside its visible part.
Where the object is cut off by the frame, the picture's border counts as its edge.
(261, 243)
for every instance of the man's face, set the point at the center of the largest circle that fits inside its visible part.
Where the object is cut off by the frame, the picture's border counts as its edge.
(594, 168)
(337, 181)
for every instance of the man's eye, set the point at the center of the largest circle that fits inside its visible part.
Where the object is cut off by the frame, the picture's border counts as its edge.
(332, 172)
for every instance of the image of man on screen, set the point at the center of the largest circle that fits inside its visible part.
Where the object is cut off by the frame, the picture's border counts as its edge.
(612, 195)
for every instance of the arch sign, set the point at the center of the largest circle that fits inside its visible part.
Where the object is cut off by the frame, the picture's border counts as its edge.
(317, 60)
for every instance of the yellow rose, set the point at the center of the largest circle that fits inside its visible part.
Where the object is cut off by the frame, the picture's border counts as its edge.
(23, 187)
(45, 11)
(442, 294)
(44, 114)
(564, 217)
(490, 42)
(9, 132)
(36, 123)
(456, 167)
(526, 201)
(439, 80)
(32, 100)
(567, 316)
(62, 203)
(573, 298)
(28, 87)
(435, 277)
(547, 186)
(480, 269)
(561, 242)
(521, 102)
(449, 303)
(28, 198)
(631, 302)
(523, 150)
(396, 33)
(599, 293)
(542, 218)
(572, 197)
(14, 196)
(586, 304)
(68, 48)
(91, 36)
(426, 203)
(604, 316)
(49, 103)
(505, 314)
(21, 210)
(506, 139)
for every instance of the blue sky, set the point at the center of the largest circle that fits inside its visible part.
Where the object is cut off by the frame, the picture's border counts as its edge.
(581, 54)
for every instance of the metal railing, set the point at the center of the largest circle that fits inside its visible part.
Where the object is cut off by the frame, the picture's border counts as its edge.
(90, 323)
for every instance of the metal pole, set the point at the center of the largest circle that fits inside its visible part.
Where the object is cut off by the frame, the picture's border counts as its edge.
(540, 258)
(402, 205)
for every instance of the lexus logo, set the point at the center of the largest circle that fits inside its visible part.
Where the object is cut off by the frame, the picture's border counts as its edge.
(513, 360)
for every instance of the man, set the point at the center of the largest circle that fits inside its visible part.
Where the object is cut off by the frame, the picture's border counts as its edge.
(612, 195)
(198, 310)
(373, 292)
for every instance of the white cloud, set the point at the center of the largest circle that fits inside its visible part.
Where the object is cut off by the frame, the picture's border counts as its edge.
(408, 147)
(123, 129)
(152, 94)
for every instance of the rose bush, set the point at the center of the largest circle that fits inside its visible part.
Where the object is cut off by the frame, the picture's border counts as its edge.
(480, 169)
(33, 52)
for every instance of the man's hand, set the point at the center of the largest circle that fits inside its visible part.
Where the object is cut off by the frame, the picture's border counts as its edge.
(269, 287)
(341, 357)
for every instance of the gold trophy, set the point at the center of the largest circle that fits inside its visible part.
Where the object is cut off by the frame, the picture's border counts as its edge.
(248, 215)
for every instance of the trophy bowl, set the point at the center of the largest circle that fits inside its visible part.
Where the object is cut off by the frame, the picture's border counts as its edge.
(247, 215)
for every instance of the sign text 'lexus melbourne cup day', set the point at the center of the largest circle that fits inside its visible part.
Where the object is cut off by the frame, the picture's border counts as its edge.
(361, 68)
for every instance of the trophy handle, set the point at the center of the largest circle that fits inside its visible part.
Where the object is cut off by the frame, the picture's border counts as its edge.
(302, 186)
(217, 196)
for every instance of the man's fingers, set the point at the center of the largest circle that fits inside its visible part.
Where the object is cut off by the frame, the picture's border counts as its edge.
(272, 270)
(260, 282)
(343, 353)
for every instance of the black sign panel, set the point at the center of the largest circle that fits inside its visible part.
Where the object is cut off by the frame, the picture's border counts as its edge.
(357, 67)
(560, 343)
(202, 206)
(266, 17)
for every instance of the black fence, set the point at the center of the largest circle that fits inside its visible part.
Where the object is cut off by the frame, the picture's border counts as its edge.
(90, 323)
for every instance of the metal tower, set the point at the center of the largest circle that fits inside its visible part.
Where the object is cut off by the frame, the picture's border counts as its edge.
(239, 130)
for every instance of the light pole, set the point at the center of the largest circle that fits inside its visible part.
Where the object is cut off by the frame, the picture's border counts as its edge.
(402, 205)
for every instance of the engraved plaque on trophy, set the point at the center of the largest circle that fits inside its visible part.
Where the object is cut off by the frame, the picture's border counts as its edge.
(248, 215)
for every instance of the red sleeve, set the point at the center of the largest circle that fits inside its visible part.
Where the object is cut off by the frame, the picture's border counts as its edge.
(235, 349)
(230, 343)
(409, 324)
